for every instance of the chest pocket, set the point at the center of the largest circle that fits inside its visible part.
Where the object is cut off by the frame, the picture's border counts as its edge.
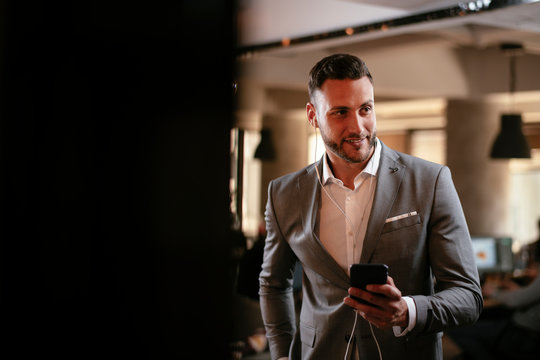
(401, 223)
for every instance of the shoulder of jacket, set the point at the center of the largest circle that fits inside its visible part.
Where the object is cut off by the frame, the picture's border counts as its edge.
(410, 161)
(292, 177)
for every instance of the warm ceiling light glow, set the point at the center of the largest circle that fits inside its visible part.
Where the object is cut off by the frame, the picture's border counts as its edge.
(349, 31)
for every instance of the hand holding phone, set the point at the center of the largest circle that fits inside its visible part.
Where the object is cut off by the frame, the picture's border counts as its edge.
(366, 274)
(392, 309)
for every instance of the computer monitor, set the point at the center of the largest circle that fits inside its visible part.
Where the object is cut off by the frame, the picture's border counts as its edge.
(493, 254)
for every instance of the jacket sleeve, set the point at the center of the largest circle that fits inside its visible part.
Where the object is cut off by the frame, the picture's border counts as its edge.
(457, 299)
(276, 285)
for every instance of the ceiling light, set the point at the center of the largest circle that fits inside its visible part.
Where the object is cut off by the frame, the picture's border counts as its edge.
(511, 143)
(266, 149)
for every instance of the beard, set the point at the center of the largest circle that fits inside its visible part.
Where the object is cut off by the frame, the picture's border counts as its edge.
(358, 156)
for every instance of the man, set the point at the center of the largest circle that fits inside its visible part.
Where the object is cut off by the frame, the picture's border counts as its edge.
(364, 203)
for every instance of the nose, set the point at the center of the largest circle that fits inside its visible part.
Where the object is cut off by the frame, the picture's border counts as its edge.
(357, 124)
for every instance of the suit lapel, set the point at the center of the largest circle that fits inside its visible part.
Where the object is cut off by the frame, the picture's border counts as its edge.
(390, 175)
(313, 253)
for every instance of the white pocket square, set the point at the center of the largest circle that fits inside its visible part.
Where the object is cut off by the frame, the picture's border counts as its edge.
(402, 216)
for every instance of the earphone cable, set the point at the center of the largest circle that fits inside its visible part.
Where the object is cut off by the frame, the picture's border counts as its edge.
(357, 231)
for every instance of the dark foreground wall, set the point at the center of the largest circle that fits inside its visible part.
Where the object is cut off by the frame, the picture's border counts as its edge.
(114, 150)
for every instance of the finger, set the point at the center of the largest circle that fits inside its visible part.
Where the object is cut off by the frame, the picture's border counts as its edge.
(356, 292)
(358, 305)
(382, 320)
(388, 291)
(378, 323)
(380, 317)
(392, 315)
(375, 321)
(376, 316)
(368, 296)
(380, 306)
(373, 300)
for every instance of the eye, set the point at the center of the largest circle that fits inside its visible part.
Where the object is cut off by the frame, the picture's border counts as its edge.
(366, 110)
(339, 112)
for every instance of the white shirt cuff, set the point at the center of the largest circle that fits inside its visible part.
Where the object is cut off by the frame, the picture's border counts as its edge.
(411, 306)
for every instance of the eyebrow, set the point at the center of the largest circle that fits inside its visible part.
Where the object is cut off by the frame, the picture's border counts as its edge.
(369, 102)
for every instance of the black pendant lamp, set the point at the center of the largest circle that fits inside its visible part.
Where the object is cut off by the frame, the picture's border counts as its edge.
(511, 142)
(265, 150)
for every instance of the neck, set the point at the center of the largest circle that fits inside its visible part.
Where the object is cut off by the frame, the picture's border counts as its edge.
(346, 171)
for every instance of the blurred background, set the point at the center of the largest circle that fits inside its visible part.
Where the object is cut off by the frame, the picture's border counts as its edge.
(445, 72)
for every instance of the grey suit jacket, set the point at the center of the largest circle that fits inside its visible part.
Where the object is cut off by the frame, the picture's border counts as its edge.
(429, 256)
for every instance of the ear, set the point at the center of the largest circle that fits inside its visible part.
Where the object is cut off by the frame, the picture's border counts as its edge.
(311, 115)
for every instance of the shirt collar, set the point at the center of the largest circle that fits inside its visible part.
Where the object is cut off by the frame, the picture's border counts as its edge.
(371, 168)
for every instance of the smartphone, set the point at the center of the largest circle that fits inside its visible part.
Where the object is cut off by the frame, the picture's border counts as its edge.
(365, 274)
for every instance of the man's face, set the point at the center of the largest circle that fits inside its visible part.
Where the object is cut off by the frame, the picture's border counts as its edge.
(344, 112)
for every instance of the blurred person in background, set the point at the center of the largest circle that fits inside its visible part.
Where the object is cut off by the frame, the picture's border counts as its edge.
(512, 331)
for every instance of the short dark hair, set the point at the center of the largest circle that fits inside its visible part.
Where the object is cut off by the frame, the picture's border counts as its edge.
(337, 66)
